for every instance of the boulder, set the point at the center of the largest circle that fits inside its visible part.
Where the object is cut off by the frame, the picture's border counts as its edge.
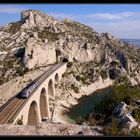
(120, 110)
(124, 117)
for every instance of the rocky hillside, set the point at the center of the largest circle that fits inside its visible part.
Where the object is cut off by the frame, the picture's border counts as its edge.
(38, 40)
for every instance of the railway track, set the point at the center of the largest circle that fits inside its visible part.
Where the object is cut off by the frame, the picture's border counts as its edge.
(9, 110)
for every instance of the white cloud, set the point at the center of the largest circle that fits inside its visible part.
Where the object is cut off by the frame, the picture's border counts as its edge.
(98, 16)
(120, 29)
(122, 25)
(108, 16)
(10, 9)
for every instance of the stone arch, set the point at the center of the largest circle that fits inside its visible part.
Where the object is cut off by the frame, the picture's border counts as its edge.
(43, 104)
(50, 88)
(33, 114)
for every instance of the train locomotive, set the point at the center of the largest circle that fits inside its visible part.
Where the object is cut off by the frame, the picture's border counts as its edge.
(27, 91)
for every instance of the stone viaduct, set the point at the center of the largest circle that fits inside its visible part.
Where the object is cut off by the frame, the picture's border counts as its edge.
(37, 106)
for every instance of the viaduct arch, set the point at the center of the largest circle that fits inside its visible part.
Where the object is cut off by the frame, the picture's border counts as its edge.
(33, 114)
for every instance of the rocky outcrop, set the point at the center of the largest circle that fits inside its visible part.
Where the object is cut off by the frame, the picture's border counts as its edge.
(34, 18)
(124, 117)
(38, 54)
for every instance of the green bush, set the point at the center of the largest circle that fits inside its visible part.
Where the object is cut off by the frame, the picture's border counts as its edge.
(75, 88)
(84, 78)
(124, 79)
(69, 64)
(78, 77)
(79, 120)
(1, 80)
(9, 63)
(20, 121)
(136, 114)
(135, 132)
(114, 63)
(45, 33)
(26, 70)
(118, 94)
(104, 74)
(14, 27)
(20, 71)
(115, 128)
(91, 119)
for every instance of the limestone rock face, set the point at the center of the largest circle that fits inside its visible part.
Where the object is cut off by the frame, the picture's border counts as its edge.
(34, 18)
(38, 54)
(124, 116)
(120, 109)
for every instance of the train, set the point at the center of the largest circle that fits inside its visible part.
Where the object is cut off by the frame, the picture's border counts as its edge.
(26, 92)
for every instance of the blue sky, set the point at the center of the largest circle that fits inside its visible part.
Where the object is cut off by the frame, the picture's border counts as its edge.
(121, 20)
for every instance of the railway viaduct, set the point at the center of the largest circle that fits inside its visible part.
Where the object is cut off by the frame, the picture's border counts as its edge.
(37, 105)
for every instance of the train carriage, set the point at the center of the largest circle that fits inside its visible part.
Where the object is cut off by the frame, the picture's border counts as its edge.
(27, 92)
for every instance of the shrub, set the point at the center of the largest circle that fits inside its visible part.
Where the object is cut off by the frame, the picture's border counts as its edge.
(20, 71)
(20, 121)
(135, 132)
(1, 80)
(118, 94)
(30, 80)
(45, 33)
(79, 120)
(63, 75)
(84, 79)
(91, 119)
(14, 27)
(10, 64)
(124, 79)
(114, 129)
(104, 74)
(114, 126)
(136, 114)
(69, 64)
(75, 88)
(78, 77)
(26, 70)
(114, 63)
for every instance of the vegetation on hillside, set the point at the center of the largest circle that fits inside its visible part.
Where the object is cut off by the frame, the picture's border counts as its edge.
(14, 27)
(102, 113)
